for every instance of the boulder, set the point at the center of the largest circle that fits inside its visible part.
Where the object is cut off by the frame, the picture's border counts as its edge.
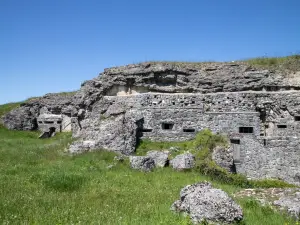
(223, 157)
(291, 203)
(160, 158)
(183, 161)
(143, 163)
(202, 202)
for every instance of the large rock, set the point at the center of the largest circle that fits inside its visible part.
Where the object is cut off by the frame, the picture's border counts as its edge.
(160, 158)
(223, 157)
(183, 161)
(291, 203)
(143, 163)
(21, 118)
(203, 202)
(114, 133)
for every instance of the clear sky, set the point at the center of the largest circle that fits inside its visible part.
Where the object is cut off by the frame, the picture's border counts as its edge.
(55, 45)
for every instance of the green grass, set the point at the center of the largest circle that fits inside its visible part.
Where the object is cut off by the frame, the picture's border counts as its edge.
(288, 63)
(41, 184)
(285, 64)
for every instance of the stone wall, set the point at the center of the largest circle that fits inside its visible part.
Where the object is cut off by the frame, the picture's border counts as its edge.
(276, 157)
(263, 127)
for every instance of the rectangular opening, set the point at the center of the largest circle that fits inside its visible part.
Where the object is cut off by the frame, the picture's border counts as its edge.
(281, 126)
(48, 122)
(265, 142)
(297, 118)
(40, 122)
(246, 130)
(58, 122)
(146, 130)
(167, 126)
(235, 141)
(189, 130)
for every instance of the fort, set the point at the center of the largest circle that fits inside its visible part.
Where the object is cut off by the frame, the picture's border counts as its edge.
(257, 109)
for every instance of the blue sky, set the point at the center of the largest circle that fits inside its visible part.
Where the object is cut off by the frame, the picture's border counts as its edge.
(55, 45)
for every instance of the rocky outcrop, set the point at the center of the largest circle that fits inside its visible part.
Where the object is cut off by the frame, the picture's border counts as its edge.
(161, 158)
(202, 202)
(143, 163)
(25, 116)
(183, 161)
(117, 133)
(185, 77)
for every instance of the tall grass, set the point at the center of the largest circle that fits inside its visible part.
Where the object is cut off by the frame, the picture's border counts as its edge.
(290, 63)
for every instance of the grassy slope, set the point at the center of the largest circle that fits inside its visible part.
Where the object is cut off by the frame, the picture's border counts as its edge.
(41, 185)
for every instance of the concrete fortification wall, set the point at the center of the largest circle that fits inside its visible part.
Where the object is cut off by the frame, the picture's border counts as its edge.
(259, 111)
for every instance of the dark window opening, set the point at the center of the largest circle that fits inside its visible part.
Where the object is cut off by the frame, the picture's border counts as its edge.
(235, 141)
(40, 122)
(58, 122)
(266, 125)
(167, 126)
(189, 130)
(282, 126)
(49, 122)
(265, 142)
(193, 102)
(297, 118)
(246, 130)
(173, 103)
(52, 129)
(146, 130)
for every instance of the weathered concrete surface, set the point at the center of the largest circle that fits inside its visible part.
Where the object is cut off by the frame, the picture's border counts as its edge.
(49, 121)
(203, 202)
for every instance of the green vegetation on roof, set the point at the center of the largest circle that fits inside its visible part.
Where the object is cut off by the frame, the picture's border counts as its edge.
(284, 64)
(291, 63)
